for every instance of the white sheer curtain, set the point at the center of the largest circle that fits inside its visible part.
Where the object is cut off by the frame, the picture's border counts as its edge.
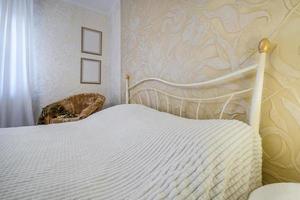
(15, 63)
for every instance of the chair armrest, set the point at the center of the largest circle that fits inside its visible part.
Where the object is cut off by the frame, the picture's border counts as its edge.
(94, 107)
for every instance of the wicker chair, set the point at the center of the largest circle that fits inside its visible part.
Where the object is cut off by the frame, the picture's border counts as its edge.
(72, 108)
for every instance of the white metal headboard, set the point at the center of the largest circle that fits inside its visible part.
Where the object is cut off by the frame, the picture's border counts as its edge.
(255, 109)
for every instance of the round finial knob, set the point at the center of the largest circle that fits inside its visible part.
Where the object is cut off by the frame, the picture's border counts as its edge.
(127, 76)
(264, 46)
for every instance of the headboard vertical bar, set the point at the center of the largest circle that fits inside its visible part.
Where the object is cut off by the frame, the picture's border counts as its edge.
(225, 106)
(198, 108)
(157, 100)
(181, 108)
(254, 118)
(140, 99)
(127, 89)
(168, 104)
(148, 98)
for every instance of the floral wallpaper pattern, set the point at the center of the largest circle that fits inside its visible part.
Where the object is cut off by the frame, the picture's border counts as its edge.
(194, 40)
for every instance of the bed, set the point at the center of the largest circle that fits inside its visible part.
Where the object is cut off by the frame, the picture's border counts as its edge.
(135, 152)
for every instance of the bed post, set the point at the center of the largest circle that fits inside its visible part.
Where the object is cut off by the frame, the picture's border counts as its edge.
(127, 89)
(254, 118)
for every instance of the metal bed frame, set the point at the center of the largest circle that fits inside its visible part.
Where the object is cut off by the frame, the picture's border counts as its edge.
(255, 109)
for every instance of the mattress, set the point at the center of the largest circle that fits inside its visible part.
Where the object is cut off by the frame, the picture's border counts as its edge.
(130, 152)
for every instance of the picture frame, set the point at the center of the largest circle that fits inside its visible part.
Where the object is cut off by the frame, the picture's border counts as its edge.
(91, 41)
(90, 71)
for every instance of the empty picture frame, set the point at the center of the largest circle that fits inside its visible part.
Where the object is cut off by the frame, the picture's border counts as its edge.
(90, 71)
(91, 41)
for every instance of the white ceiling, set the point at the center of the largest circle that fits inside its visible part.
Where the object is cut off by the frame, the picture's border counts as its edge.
(103, 6)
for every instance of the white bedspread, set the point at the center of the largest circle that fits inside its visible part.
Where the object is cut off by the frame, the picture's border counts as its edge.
(130, 152)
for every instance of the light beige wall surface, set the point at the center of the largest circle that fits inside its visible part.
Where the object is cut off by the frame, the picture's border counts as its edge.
(193, 40)
(57, 28)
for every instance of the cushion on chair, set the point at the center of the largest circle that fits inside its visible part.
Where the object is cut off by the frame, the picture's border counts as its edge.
(72, 108)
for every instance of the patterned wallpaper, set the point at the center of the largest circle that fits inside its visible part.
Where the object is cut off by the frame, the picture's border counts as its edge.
(194, 40)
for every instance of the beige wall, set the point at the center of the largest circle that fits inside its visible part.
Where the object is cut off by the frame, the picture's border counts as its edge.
(57, 26)
(115, 56)
(194, 40)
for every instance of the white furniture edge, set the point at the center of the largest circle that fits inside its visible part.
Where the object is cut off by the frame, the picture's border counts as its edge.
(277, 191)
(255, 109)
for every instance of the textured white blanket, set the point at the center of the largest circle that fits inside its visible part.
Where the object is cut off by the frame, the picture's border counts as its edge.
(130, 152)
